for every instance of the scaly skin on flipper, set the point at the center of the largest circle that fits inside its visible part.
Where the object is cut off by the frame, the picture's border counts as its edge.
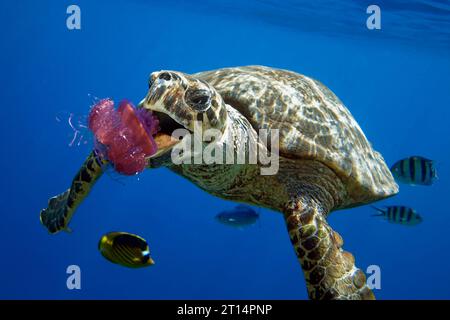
(58, 214)
(330, 272)
(313, 191)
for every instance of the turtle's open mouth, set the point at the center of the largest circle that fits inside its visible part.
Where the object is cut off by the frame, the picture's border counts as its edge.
(163, 138)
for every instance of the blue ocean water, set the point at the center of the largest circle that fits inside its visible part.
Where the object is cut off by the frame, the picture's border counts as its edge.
(395, 81)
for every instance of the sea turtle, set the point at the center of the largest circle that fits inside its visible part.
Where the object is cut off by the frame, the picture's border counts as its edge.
(325, 160)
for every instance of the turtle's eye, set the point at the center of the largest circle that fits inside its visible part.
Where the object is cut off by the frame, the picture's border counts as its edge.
(165, 76)
(198, 99)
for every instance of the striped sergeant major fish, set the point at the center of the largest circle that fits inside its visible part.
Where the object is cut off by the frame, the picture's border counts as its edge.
(415, 170)
(399, 214)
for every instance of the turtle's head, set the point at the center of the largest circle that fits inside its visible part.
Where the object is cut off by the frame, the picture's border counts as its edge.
(182, 101)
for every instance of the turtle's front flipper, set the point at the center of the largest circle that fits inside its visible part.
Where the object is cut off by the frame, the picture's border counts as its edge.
(57, 215)
(329, 271)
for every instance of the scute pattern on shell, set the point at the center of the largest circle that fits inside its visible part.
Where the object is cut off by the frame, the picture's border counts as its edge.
(313, 124)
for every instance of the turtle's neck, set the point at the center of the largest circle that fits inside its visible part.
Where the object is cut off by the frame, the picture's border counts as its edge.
(238, 182)
(225, 178)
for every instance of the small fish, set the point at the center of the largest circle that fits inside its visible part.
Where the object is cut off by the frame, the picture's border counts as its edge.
(240, 216)
(415, 170)
(399, 214)
(126, 249)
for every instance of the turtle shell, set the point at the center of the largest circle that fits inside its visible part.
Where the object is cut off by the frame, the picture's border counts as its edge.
(313, 124)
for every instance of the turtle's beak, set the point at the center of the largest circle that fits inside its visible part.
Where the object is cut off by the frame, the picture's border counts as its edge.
(141, 104)
(164, 139)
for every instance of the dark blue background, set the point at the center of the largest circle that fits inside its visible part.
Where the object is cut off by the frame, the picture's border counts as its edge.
(395, 81)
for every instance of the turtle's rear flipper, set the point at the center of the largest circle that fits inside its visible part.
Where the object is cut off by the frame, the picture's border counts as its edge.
(58, 214)
(55, 216)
